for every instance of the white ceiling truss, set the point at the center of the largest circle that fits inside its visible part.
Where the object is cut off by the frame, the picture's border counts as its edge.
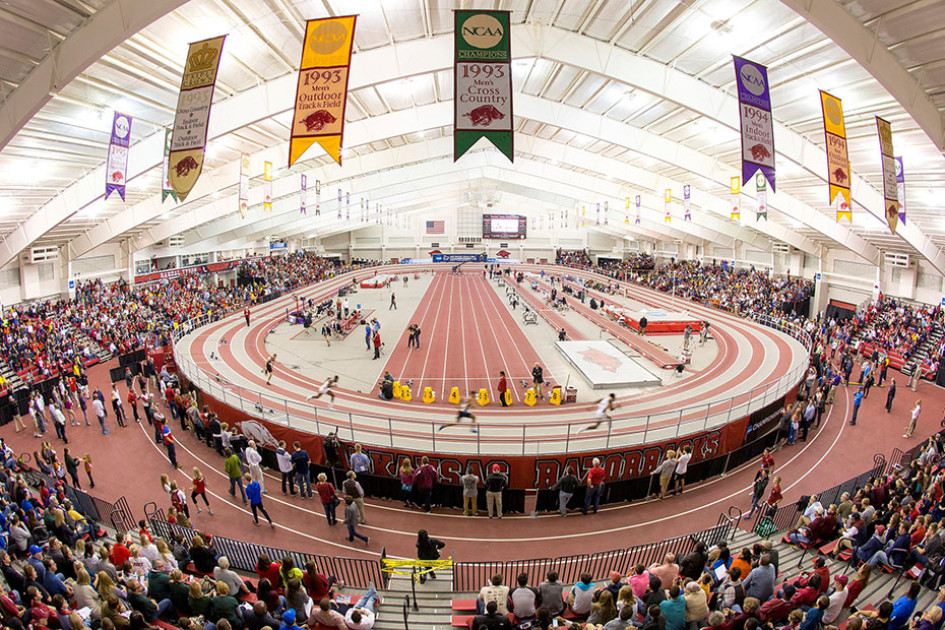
(613, 98)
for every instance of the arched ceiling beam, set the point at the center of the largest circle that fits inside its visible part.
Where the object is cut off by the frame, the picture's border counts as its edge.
(108, 27)
(858, 41)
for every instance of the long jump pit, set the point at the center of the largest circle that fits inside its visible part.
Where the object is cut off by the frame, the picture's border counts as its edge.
(605, 366)
(376, 282)
(661, 322)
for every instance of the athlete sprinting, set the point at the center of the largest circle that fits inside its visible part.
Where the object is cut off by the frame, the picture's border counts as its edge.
(603, 406)
(464, 412)
(268, 369)
(325, 388)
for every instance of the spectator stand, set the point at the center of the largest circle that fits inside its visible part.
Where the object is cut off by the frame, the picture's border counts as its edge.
(116, 515)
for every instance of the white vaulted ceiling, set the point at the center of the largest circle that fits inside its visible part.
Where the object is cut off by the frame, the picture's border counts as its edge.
(613, 98)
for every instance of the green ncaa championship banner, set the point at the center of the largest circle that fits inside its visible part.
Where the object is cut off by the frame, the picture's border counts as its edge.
(482, 81)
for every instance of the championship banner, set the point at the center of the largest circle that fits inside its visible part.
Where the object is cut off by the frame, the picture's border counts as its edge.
(322, 92)
(668, 199)
(166, 190)
(838, 163)
(638, 202)
(339, 203)
(116, 164)
(890, 189)
(757, 123)
(626, 218)
(318, 197)
(191, 122)
(687, 203)
(598, 213)
(606, 212)
(244, 185)
(347, 206)
(267, 187)
(303, 193)
(736, 188)
(482, 81)
(761, 197)
(901, 189)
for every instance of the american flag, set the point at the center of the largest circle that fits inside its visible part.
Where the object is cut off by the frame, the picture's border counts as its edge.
(436, 227)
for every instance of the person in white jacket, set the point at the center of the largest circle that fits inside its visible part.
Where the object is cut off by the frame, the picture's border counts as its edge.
(284, 459)
(254, 461)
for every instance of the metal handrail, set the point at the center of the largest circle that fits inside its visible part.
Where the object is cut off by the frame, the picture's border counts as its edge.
(541, 436)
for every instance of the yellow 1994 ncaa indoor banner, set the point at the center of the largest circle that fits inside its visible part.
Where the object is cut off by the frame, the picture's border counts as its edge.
(482, 81)
(189, 140)
(838, 164)
(322, 91)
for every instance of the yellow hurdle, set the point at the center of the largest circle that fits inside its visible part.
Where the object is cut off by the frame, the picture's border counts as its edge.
(483, 397)
(428, 395)
(405, 393)
(397, 390)
(555, 396)
(454, 396)
(530, 398)
(508, 397)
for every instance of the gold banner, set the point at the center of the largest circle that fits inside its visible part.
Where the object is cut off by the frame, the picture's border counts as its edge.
(838, 163)
(191, 123)
(322, 92)
(890, 184)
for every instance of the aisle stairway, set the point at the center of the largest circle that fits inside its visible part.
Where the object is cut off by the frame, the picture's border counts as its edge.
(433, 602)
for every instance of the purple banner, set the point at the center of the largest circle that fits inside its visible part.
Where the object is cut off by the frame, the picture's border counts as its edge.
(116, 165)
(901, 189)
(757, 124)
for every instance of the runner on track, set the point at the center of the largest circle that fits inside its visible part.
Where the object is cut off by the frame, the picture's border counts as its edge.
(325, 388)
(464, 405)
(268, 369)
(603, 406)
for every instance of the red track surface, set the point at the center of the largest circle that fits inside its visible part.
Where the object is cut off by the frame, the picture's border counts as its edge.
(468, 336)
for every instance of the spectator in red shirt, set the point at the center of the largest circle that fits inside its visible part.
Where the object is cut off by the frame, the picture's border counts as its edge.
(266, 569)
(767, 461)
(423, 480)
(119, 552)
(595, 485)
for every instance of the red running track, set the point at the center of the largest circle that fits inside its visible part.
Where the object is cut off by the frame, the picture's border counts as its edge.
(467, 336)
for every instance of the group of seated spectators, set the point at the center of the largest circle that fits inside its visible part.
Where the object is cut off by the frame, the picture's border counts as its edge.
(573, 258)
(894, 327)
(623, 269)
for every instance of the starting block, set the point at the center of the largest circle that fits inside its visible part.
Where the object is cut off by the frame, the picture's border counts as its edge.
(530, 398)
(428, 395)
(397, 389)
(405, 393)
(555, 398)
(483, 397)
(454, 396)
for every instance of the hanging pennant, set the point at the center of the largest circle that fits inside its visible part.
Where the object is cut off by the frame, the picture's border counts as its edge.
(322, 92)
(191, 122)
(838, 163)
(890, 191)
(116, 165)
(668, 203)
(347, 206)
(757, 123)
(736, 187)
(606, 211)
(901, 189)
(626, 218)
(267, 186)
(339, 203)
(761, 197)
(687, 203)
(303, 193)
(638, 204)
(598, 213)
(244, 185)
(482, 81)
(166, 190)
(318, 197)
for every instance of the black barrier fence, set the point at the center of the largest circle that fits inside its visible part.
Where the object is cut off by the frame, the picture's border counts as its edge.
(471, 576)
(243, 555)
(117, 515)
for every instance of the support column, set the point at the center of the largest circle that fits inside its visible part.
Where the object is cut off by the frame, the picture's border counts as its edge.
(66, 281)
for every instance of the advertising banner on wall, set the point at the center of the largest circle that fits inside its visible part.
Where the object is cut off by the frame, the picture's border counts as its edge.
(116, 171)
(166, 190)
(482, 81)
(322, 91)
(838, 162)
(890, 189)
(757, 124)
(191, 122)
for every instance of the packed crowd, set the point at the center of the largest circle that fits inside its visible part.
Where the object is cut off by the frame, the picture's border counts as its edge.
(893, 327)
(573, 258)
(119, 318)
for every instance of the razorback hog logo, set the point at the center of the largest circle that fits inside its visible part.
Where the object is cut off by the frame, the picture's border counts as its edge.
(116, 176)
(759, 152)
(601, 359)
(484, 115)
(502, 254)
(185, 166)
(840, 175)
(318, 119)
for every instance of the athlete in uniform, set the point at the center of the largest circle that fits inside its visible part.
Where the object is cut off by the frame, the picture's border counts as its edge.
(603, 406)
(268, 369)
(325, 388)
(464, 405)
